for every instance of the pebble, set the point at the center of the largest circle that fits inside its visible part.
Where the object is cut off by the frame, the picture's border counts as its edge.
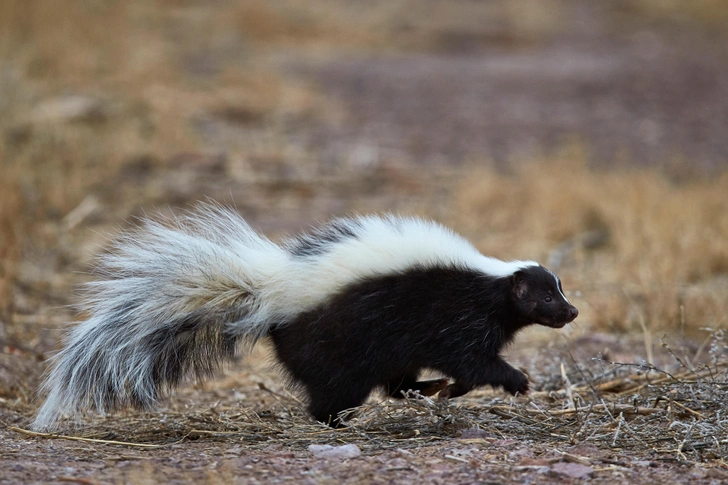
(335, 452)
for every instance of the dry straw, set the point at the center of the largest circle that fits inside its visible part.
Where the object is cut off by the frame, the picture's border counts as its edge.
(644, 250)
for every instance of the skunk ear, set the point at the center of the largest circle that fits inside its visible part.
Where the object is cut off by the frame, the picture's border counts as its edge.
(519, 284)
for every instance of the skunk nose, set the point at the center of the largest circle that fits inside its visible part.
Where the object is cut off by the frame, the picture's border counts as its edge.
(573, 313)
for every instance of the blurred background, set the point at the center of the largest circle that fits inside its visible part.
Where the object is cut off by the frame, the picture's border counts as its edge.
(590, 136)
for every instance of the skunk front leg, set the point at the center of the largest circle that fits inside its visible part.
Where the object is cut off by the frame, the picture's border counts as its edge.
(398, 387)
(496, 372)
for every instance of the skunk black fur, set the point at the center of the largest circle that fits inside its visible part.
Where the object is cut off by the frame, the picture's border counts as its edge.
(383, 331)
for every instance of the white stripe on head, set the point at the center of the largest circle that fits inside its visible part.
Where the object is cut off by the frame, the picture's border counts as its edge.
(558, 287)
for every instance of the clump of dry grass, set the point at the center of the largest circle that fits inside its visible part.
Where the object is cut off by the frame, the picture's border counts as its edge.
(659, 259)
(710, 15)
(156, 69)
(10, 239)
(122, 59)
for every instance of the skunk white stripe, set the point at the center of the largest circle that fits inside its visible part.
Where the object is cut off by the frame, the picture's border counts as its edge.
(380, 246)
(282, 284)
(165, 259)
(558, 287)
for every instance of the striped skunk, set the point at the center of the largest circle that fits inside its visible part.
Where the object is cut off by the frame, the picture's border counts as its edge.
(357, 304)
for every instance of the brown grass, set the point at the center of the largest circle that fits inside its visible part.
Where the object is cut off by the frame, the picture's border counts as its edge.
(10, 238)
(661, 259)
(149, 77)
(708, 15)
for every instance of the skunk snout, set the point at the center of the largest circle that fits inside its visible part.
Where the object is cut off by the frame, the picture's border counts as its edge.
(573, 313)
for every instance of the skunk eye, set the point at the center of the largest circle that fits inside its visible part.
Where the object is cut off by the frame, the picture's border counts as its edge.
(548, 299)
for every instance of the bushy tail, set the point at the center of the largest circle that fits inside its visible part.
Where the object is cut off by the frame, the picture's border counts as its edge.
(175, 299)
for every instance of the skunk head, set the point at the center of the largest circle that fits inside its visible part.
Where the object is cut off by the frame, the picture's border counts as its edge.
(540, 299)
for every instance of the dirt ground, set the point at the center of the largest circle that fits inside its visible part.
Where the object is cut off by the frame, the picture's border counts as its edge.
(530, 126)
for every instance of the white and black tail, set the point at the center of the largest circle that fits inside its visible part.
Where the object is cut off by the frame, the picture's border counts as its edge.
(176, 298)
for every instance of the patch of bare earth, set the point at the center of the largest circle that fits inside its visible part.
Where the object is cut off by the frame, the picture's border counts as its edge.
(598, 411)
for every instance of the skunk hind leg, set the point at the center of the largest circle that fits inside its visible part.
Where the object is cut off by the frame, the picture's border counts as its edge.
(326, 405)
(397, 388)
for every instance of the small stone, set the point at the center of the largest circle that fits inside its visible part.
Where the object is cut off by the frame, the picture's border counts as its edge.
(716, 473)
(531, 468)
(698, 472)
(398, 463)
(335, 452)
(235, 450)
(522, 452)
(587, 450)
(572, 470)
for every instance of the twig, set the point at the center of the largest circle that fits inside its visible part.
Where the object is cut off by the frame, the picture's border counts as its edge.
(568, 457)
(696, 413)
(86, 481)
(567, 387)
(621, 408)
(90, 440)
(456, 458)
(688, 435)
(646, 334)
(619, 426)
(583, 422)
(616, 432)
(218, 433)
(278, 397)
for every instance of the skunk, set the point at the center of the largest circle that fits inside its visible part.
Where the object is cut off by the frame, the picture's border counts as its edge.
(357, 304)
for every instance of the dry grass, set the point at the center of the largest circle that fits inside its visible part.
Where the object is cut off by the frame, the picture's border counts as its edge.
(9, 240)
(711, 15)
(641, 249)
